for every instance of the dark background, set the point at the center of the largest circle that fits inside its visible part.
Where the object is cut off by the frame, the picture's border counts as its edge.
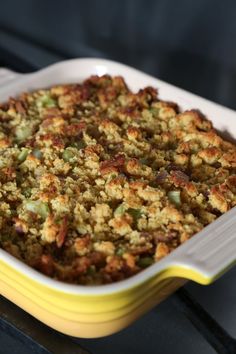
(191, 44)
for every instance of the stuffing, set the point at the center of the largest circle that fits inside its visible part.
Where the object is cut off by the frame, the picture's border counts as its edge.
(98, 182)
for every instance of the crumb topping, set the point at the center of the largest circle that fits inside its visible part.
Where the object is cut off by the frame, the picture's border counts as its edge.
(98, 182)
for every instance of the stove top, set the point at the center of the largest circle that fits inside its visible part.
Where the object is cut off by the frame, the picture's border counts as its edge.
(194, 320)
(197, 319)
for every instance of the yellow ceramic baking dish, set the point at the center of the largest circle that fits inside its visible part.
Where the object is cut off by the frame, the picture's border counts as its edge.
(87, 311)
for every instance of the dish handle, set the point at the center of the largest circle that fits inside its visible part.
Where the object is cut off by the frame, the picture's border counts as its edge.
(7, 75)
(211, 254)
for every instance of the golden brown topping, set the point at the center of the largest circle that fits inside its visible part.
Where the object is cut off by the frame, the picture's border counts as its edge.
(106, 247)
(231, 183)
(161, 250)
(55, 230)
(98, 182)
(134, 133)
(20, 226)
(217, 200)
(4, 143)
(115, 165)
(179, 178)
(83, 245)
(210, 155)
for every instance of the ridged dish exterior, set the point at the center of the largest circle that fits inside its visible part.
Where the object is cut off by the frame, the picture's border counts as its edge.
(83, 315)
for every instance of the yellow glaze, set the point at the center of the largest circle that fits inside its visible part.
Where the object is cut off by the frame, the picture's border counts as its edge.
(91, 316)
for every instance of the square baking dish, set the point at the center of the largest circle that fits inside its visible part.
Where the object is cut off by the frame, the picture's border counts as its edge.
(95, 311)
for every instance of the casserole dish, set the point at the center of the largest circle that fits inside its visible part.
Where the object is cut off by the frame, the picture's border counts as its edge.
(95, 311)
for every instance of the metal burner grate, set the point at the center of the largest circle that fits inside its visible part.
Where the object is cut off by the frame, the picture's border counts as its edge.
(215, 335)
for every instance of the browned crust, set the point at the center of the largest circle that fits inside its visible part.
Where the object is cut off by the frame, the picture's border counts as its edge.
(98, 182)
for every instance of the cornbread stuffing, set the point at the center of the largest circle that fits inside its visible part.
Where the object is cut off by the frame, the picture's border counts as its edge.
(98, 182)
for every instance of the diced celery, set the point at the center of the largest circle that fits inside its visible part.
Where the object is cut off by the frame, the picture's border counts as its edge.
(174, 197)
(120, 251)
(155, 111)
(67, 155)
(145, 262)
(80, 144)
(27, 192)
(45, 101)
(38, 207)
(135, 213)
(120, 210)
(23, 154)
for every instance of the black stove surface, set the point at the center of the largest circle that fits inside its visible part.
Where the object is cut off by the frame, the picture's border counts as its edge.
(178, 325)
